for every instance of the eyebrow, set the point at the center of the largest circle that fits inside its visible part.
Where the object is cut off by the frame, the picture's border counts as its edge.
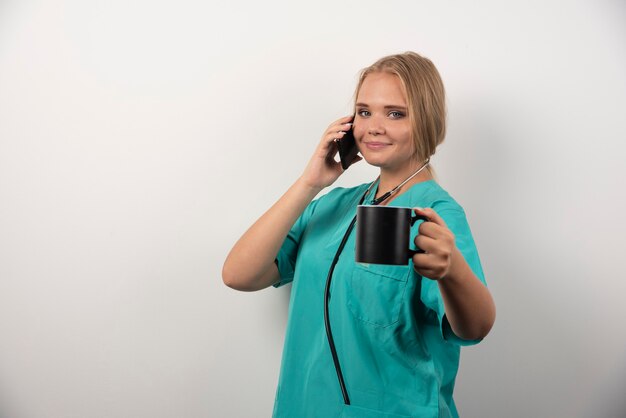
(386, 107)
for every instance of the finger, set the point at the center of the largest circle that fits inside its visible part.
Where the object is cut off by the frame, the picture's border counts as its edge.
(431, 215)
(431, 229)
(328, 144)
(426, 266)
(331, 150)
(425, 243)
(333, 136)
(345, 119)
(422, 261)
(336, 132)
(342, 124)
(428, 274)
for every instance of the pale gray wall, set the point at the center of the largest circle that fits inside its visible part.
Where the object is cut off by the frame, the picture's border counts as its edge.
(139, 139)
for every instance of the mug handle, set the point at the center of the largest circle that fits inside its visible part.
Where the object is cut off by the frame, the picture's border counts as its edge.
(415, 218)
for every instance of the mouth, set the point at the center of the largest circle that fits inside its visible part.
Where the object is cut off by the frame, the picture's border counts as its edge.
(374, 145)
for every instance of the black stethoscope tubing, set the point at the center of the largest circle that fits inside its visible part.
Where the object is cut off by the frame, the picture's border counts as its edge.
(329, 333)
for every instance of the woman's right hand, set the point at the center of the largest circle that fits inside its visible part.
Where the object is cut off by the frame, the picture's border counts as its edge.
(250, 263)
(322, 170)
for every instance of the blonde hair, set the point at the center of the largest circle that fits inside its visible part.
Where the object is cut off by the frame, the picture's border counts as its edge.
(425, 94)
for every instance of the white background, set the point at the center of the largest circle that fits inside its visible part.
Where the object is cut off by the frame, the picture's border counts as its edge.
(139, 139)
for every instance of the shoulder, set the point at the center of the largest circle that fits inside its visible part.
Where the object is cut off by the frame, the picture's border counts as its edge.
(343, 195)
(453, 214)
(333, 201)
(431, 194)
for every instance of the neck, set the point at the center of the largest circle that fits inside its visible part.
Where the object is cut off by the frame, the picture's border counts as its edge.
(391, 178)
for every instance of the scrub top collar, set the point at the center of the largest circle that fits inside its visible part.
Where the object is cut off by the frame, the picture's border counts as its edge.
(371, 195)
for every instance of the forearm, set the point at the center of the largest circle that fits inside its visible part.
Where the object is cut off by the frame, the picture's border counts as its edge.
(250, 262)
(468, 303)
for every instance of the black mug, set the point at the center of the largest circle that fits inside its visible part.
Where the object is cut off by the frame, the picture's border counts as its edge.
(383, 234)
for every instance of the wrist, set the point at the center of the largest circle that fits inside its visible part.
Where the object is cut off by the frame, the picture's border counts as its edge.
(307, 187)
(457, 265)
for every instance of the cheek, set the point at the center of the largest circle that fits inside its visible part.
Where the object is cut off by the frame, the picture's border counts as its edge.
(359, 131)
(404, 136)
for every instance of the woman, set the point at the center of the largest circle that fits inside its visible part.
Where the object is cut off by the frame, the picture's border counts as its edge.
(397, 330)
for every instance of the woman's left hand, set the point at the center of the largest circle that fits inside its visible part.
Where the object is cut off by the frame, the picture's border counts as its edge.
(438, 243)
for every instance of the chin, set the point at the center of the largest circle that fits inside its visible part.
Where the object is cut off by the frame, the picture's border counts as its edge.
(373, 160)
(376, 162)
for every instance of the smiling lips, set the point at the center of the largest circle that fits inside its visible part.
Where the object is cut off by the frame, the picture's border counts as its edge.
(376, 145)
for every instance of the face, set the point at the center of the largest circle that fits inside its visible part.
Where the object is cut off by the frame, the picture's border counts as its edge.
(381, 125)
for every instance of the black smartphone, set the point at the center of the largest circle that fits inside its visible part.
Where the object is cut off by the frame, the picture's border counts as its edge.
(347, 149)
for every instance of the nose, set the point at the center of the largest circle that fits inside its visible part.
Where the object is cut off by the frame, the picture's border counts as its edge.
(375, 126)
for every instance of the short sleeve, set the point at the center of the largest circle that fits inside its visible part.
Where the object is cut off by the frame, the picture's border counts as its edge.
(286, 257)
(430, 293)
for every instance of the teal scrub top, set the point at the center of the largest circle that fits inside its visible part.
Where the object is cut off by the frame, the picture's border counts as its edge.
(398, 354)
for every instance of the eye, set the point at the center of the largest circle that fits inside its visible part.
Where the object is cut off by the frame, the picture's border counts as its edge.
(396, 115)
(363, 113)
